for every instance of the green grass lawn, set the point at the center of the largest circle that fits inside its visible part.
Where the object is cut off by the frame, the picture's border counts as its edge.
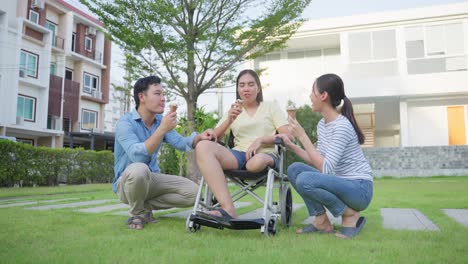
(65, 236)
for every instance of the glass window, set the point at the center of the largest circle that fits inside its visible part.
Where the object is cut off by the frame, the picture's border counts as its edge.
(34, 16)
(73, 41)
(376, 45)
(88, 120)
(90, 83)
(88, 44)
(454, 39)
(360, 46)
(28, 63)
(53, 28)
(384, 44)
(25, 107)
(435, 40)
(68, 74)
(435, 48)
(52, 68)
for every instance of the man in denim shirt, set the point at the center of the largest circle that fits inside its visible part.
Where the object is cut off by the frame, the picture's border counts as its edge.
(138, 138)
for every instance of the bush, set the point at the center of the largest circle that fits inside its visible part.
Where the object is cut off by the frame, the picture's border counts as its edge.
(28, 165)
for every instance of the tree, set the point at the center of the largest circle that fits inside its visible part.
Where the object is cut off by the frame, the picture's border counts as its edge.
(193, 43)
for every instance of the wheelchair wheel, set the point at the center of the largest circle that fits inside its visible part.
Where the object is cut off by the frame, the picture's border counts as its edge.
(270, 229)
(190, 226)
(286, 206)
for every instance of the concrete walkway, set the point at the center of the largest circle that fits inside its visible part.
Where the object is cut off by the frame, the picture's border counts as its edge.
(392, 218)
(406, 219)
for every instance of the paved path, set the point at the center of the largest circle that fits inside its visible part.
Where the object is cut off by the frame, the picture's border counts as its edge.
(459, 215)
(34, 202)
(406, 219)
(392, 218)
(69, 205)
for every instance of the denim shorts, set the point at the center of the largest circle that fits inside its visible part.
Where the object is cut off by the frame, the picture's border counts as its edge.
(242, 160)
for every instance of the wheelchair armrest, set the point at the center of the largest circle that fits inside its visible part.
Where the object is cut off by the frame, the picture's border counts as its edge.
(279, 141)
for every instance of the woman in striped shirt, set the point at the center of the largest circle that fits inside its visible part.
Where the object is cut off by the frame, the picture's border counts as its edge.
(337, 176)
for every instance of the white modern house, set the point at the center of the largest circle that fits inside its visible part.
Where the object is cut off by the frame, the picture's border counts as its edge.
(54, 74)
(405, 72)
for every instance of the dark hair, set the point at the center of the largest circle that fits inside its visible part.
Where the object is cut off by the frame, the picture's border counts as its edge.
(257, 80)
(142, 85)
(333, 85)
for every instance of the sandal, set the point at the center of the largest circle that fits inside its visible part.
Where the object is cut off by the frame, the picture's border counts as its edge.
(312, 229)
(137, 221)
(350, 232)
(149, 218)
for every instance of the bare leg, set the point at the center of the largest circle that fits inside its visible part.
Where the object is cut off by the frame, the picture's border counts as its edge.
(321, 222)
(212, 159)
(349, 219)
(259, 162)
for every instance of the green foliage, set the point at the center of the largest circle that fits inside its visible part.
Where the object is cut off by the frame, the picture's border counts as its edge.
(27, 165)
(308, 120)
(192, 44)
(174, 162)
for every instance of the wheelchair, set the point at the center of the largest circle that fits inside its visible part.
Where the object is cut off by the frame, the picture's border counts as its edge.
(274, 209)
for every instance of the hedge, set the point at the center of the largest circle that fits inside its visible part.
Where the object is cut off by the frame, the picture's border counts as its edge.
(26, 165)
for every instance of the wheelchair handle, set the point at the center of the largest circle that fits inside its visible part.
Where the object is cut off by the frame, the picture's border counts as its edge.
(279, 141)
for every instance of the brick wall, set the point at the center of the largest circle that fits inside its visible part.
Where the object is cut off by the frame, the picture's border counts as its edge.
(418, 161)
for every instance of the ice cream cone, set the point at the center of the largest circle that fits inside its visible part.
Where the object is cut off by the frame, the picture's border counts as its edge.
(172, 107)
(291, 112)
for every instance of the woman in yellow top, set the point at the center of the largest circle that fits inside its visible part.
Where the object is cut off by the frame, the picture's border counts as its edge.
(254, 124)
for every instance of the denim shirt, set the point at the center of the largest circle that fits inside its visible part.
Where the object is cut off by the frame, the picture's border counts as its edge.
(129, 146)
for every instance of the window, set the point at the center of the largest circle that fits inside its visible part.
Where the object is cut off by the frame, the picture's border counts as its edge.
(66, 125)
(26, 107)
(435, 48)
(90, 83)
(68, 74)
(73, 41)
(28, 63)
(34, 16)
(53, 66)
(372, 46)
(88, 44)
(53, 28)
(88, 119)
(373, 53)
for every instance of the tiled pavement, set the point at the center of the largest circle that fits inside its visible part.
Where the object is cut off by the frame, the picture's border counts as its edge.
(393, 218)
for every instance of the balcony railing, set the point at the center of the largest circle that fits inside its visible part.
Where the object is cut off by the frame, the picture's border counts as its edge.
(58, 42)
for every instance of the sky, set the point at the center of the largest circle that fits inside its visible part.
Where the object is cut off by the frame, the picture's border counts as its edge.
(318, 9)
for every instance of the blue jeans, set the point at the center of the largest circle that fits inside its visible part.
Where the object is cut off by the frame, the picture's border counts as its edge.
(322, 190)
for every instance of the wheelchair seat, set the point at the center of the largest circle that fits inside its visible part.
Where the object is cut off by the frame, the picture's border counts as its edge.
(274, 209)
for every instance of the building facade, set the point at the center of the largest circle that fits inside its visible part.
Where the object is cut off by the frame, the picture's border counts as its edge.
(405, 72)
(54, 74)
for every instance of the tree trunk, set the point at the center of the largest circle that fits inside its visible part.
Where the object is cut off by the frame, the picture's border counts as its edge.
(193, 173)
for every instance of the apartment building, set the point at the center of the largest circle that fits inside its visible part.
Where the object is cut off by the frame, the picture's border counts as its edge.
(54, 74)
(405, 72)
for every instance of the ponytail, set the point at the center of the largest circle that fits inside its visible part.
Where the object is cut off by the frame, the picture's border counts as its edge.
(347, 111)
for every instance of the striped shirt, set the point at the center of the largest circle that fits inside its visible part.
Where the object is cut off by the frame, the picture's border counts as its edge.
(343, 156)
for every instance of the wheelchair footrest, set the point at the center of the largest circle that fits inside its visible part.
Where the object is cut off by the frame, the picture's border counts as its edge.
(206, 222)
(247, 223)
(238, 224)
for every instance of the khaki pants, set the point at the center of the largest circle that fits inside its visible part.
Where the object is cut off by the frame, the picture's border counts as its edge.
(145, 191)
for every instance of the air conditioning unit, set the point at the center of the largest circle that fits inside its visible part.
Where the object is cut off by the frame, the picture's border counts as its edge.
(22, 73)
(37, 4)
(91, 31)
